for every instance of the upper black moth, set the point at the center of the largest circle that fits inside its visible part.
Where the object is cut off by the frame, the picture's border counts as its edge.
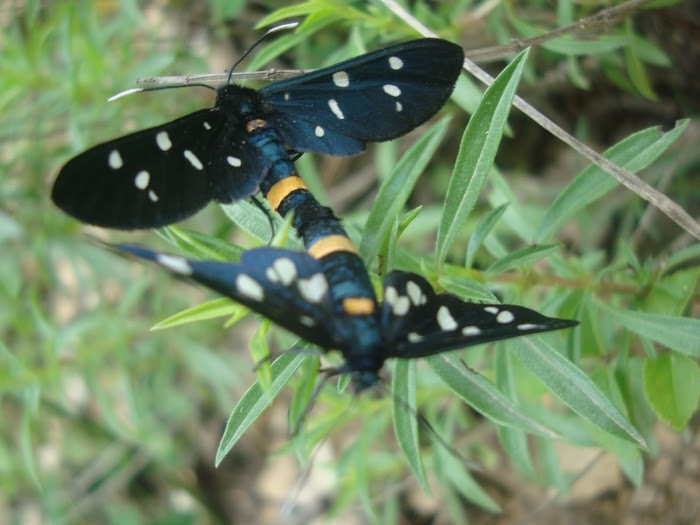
(164, 174)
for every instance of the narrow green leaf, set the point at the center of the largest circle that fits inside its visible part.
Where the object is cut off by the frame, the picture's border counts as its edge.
(255, 401)
(477, 151)
(482, 395)
(253, 221)
(550, 465)
(678, 333)
(403, 387)
(632, 153)
(636, 69)
(684, 256)
(481, 231)
(260, 353)
(395, 191)
(514, 442)
(673, 292)
(201, 246)
(467, 289)
(573, 387)
(209, 310)
(463, 482)
(672, 386)
(302, 393)
(521, 258)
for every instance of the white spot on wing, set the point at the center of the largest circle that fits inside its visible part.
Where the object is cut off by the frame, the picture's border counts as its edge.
(207, 126)
(286, 96)
(391, 89)
(471, 330)
(196, 163)
(152, 195)
(390, 295)
(399, 106)
(415, 293)
(234, 161)
(163, 141)
(319, 131)
(341, 79)
(249, 288)
(174, 264)
(401, 305)
(142, 179)
(528, 326)
(445, 319)
(505, 317)
(335, 108)
(306, 320)
(491, 309)
(115, 160)
(314, 288)
(284, 270)
(414, 337)
(395, 63)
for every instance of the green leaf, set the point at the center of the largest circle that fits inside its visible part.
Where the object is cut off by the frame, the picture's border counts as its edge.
(255, 401)
(200, 246)
(633, 153)
(463, 482)
(253, 221)
(573, 387)
(395, 191)
(672, 293)
(403, 387)
(672, 386)
(467, 289)
(520, 258)
(260, 353)
(636, 69)
(482, 395)
(209, 310)
(303, 391)
(477, 151)
(690, 255)
(481, 231)
(678, 333)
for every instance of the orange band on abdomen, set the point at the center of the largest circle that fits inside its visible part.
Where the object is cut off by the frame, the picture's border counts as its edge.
(281, 189)
(358, 306)
(331, 244)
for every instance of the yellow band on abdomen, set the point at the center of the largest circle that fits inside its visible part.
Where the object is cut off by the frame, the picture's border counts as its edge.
(331, 244)
(358, 306)
(281, 189)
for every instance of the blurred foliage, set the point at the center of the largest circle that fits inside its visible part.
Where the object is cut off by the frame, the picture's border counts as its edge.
(106, 422)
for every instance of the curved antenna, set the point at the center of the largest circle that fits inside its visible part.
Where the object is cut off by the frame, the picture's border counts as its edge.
(281, 27)
(156, 88)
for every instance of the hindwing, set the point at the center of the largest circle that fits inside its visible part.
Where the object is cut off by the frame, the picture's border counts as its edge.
(417, 322)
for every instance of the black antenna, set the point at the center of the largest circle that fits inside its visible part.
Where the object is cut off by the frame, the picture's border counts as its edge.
(282, 27)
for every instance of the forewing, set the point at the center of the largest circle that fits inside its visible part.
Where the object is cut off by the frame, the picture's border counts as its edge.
(160, 175)
(371, 98)
(287, 287)
(416, 322)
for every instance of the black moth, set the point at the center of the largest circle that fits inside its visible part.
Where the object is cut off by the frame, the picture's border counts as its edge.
(164, 174)
(291, 289)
